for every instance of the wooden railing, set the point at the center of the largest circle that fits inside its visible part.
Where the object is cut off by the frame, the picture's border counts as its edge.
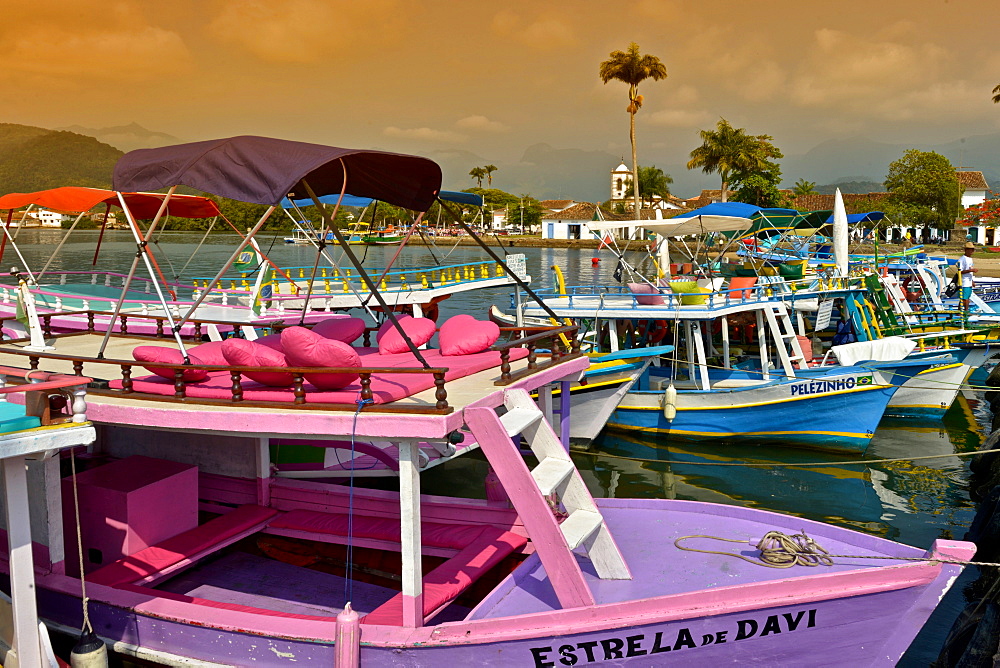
(535, 338)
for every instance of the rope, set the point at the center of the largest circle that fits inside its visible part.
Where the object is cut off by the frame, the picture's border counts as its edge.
(855, 462)
(349, 569)
(86, 628)
(778, 550)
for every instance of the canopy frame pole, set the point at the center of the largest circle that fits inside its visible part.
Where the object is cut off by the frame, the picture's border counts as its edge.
(61, 243)
(13, 244)
(144, 238)
(320, 245)
(496, 258)
(358, 265)
(399, 249)
(142, 252)
(21, 224)
(232, 258)
(100, 237)
(3, 240)
(197, 248)
(246, 240)
(329, 258)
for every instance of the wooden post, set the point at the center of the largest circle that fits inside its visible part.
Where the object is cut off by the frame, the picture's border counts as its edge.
(22, 570)
(409, 518)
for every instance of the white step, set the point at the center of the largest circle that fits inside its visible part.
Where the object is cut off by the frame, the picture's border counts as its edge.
(551, 473)
(579, 526)
(517, 420)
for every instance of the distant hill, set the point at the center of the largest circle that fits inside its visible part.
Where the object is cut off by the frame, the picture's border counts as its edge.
(126, 137)
(35, 158)
(852, 187)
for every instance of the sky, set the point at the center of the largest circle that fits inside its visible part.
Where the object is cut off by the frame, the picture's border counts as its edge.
(492, 79)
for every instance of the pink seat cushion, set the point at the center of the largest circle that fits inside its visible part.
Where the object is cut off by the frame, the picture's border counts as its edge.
(306, 348)
(447, 581)
(272, 341)
(240, 352)
(387, 325)
(655, 298)
(347, 330)
(210, 353)
(419, 330)
(165, 355)
(464, 335)
(172, 551)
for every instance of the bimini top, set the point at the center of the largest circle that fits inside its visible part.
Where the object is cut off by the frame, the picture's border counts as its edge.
(678, 227)
(353, 200)
(262, 170)
(75, 199)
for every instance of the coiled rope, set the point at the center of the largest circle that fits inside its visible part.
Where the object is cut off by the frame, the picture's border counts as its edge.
(779, 550)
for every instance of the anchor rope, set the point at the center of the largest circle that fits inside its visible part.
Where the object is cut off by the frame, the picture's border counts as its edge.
(79, 548)
(779, 550)
(864, 462)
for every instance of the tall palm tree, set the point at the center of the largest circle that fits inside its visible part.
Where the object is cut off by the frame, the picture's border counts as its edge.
(479, 174)
(489, 169)
(996, 95)
(632, 68)
(726, 150)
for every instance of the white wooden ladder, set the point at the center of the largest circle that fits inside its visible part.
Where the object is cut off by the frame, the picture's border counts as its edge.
(556, 476)
(785, 338)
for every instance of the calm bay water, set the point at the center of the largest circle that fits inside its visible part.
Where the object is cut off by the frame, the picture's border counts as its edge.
(911, 502)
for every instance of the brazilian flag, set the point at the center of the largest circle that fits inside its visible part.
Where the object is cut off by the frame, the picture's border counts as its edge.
(864, 380)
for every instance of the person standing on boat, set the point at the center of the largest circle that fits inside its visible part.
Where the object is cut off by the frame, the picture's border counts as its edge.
(966, 271)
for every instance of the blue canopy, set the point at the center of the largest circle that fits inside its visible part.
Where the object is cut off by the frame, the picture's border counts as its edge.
(360, 202)
(869, 217)
(738, 210)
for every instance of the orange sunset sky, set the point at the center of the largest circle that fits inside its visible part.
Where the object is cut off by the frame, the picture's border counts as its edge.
(491, 79)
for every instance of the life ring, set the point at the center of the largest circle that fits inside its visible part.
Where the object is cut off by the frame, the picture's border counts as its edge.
(655, 333)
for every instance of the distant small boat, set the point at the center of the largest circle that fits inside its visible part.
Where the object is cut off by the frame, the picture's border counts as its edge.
(384, 237)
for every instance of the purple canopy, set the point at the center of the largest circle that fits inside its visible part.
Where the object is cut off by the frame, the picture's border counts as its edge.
(262, 170)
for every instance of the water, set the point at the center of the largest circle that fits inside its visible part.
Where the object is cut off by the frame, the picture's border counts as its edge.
(911, 502)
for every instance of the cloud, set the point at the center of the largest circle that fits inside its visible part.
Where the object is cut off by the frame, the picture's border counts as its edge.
(680, 118)
(482, 124)
(425, 135)
(77, 52)
(304, 31)
(545, 32)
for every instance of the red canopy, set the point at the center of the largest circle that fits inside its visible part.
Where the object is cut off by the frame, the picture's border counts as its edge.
(74, 199)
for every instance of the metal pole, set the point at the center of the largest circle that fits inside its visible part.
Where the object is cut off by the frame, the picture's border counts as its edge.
(361, 271)
(229, 263)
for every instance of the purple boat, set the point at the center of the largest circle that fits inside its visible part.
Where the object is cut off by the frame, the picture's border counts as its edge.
(192, 550)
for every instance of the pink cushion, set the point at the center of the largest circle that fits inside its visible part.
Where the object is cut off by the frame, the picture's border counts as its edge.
(157, 557)
(304, 347)
(272, 341)
(210, 353)
(387, 325)
(240, 352)
(168, 356)
(347, 330)
(645, 289)
(464, 335)
(420, 331)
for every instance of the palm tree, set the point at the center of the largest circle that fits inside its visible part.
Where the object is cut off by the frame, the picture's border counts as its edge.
(489, 169)
(728, 150)
(479, 174)
(632, 68)
(804, 188)
(652, 182)
(996, 95)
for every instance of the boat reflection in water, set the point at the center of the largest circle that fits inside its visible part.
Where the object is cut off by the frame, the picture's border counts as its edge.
(908, 501)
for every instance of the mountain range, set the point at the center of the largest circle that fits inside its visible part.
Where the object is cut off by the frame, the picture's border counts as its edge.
(33, 158)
